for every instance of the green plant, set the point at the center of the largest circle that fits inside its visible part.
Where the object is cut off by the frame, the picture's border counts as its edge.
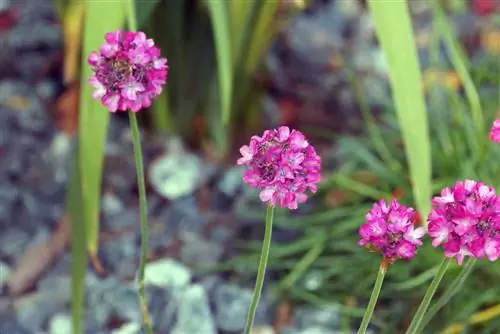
(374, 168)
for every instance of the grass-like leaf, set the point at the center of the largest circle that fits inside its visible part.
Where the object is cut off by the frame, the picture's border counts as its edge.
(394, 31)
(100, 18)
(220, 26)
(461, 65)
(78, 249)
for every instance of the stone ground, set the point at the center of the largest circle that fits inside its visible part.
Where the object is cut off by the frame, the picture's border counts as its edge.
(191, 202)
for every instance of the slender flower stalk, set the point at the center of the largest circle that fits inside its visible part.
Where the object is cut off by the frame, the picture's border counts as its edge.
(261, 273)
(382, 270)
(143, 214)
(128, 73)
(454, 287)
(431, 290)
(283, 165)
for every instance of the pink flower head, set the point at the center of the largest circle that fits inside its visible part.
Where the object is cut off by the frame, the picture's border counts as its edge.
(465, 221)
(128, 71)
(389, 229)
(283, 164)
(495, 131)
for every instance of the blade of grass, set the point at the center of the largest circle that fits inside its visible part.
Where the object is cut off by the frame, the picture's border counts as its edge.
(461, 65)
(220, 26)
(100, 18)
(143, 11)
(162, 118)
(78, 245)
(394, 31)
(72, 29)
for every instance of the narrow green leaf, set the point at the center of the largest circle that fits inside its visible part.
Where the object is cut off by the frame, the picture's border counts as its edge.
(394, 31)
(461, 64)
(78, 245)
(162, 120)
(220, 26)
(100, 18)
(144, 10)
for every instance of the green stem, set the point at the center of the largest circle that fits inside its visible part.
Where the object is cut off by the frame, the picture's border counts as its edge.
(449, 293)
(266, 245)
(143, 213)
(374, 297)
(143, 204)
(131, 15)
(424, 305)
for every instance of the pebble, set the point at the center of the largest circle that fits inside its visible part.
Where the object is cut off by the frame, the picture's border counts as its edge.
(120, 255)
(4, 274)
(231, 306)
(175, 175)
(195, 316)
(167, 273)
(60, 324)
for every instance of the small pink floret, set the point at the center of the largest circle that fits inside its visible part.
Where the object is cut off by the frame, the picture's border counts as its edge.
(495, 131)
(465, 221)
(128, 71)
(389, 229)
(283, 164)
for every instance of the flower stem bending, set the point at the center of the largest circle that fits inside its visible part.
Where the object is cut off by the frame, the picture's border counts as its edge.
(143, 212)
(449, 293)
(384, 265)
(266, 245)
(424, 305)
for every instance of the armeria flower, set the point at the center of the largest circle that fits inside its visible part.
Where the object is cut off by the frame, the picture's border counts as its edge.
(495, 131)
(128, 71)
(390, 230)
(465, 221)
(283, 164)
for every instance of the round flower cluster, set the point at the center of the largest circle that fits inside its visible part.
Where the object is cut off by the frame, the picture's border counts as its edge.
(495, 131)
(465, 220)
(128, 71)
(389, 229)
(283, 164)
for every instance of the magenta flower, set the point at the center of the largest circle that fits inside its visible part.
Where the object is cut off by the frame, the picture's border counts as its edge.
(283, 164)
(465, 221)
(128, 71)
(495, 131)
(389, 229)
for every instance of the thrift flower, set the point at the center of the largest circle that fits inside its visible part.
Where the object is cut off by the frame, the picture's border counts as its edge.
(128, 71)
(495, 131)
(389, 229)
(283, 164)
(465, 221)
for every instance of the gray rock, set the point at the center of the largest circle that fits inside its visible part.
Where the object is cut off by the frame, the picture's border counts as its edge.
(120, 220)
(167, 273)
(194, 315)
(8, 196)
(307, 317)
(232, 303)
(198, 251)
(9, 325)
(4, 274)
(120, 255)
(13, 241)
(125, 302)
(163, 304)
(128, 328)
(232, 181)
(60, 324)
(177, 173)
(35, 310)
(184, 215)
(110, 298)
